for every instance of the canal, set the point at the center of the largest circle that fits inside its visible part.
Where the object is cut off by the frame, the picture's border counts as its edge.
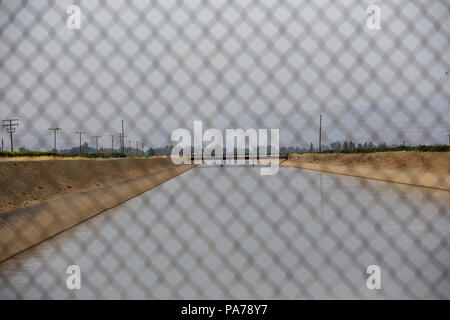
(227, 232)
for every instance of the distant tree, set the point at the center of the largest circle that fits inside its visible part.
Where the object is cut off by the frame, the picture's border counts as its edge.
(311, 147)
(345, 147)
(85, 148)
(351, 145)
(335, 145)
(151, 152)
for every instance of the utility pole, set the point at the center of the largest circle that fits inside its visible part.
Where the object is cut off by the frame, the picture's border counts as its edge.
(80, 133)
(10, 125)
(122, 141)
(2, 144)
(129, 148)
(112, 137)
(96, 143)
(320, 134)
(54, 137)
(137, 148)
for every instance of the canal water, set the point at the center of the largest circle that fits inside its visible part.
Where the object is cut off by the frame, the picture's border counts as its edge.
(227, 232)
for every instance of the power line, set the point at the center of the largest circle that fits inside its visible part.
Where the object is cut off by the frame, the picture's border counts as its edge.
(10, 125)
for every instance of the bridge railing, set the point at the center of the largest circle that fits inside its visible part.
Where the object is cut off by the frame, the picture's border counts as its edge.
(280, 156)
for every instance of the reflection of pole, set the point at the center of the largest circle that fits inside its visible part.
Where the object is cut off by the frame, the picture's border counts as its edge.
(321, 194)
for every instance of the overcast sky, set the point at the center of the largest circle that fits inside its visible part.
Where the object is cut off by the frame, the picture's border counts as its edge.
(160, 65)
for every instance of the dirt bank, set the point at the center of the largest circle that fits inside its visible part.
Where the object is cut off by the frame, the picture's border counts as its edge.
(24, 183)
(25, 227)
(426, 169)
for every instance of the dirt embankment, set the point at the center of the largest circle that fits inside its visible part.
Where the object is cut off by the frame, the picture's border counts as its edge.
(426, 169)
(25, 227)
(24, 183)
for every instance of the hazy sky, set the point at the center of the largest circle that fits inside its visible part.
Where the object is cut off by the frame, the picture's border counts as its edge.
(160, 65)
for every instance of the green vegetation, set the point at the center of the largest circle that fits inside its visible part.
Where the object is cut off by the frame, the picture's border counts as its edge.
(93, 155)
(422, 148)
(4, 154)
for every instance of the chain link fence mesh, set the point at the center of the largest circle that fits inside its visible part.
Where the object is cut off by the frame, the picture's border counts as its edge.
(227, 232)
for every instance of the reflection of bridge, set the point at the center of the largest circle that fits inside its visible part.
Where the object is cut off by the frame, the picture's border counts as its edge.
(281, 156)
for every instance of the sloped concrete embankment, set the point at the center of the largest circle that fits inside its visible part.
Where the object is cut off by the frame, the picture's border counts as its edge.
(430, 170)
(25, 227)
